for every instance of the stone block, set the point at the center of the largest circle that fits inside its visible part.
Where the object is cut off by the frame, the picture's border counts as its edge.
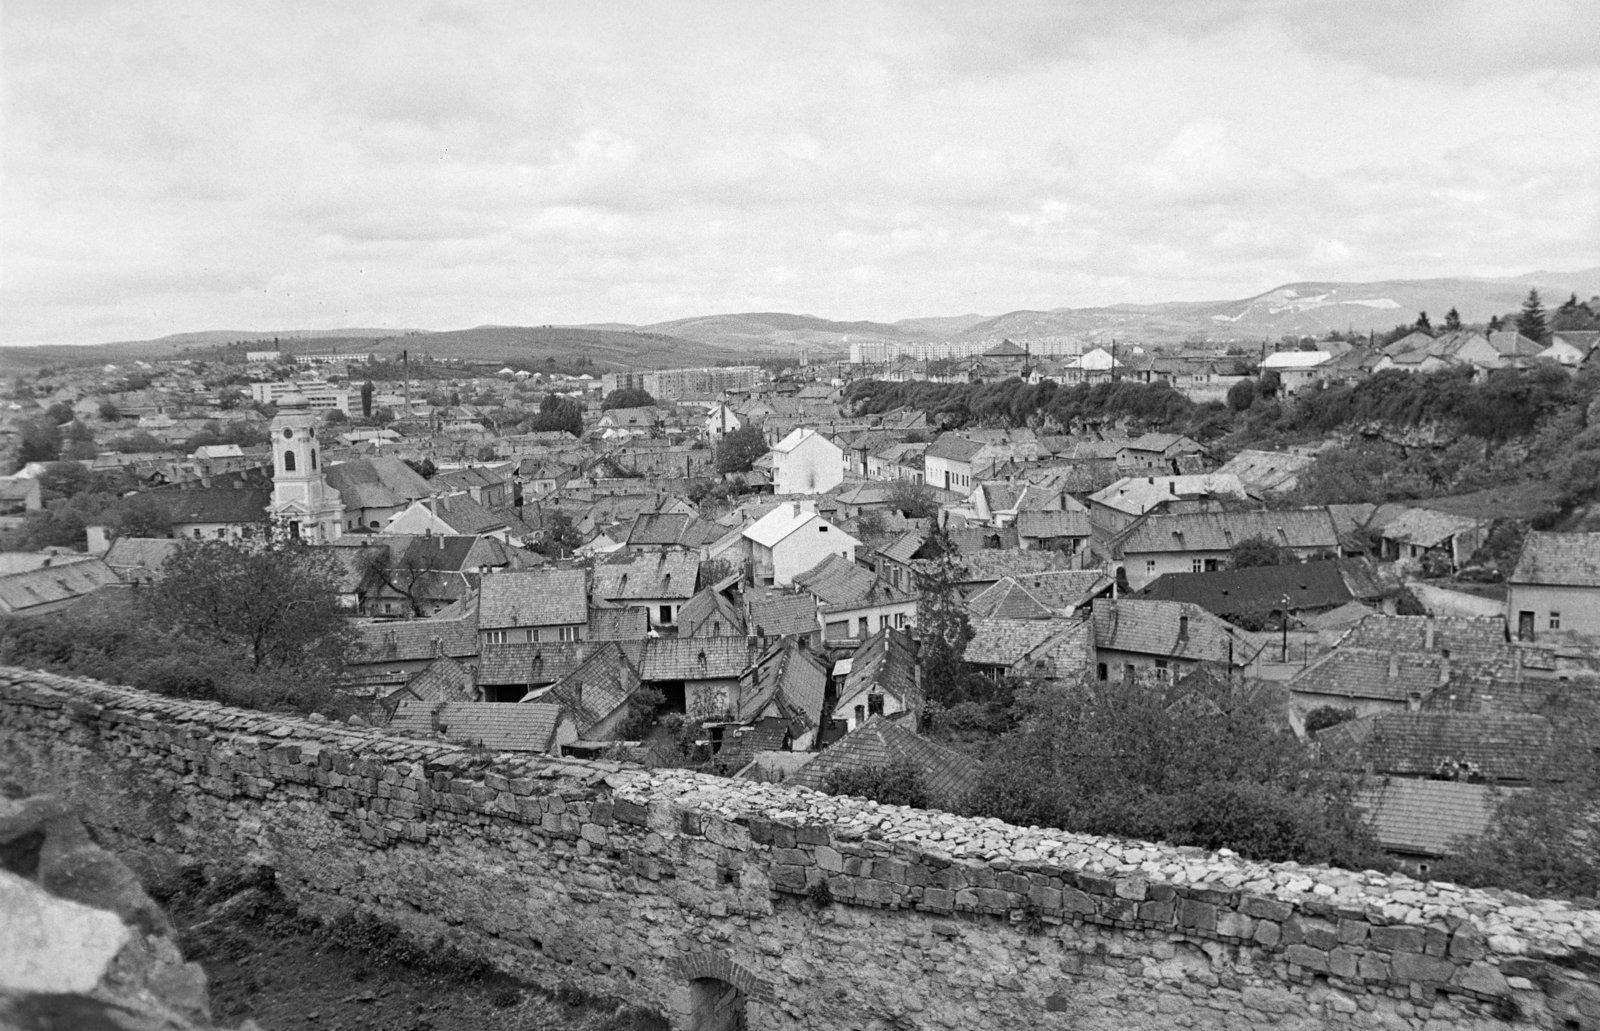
(829, 859)
(629, 812)
(1482, 978)
(994, 900)
(1162, 912)
(1353, 932)
(1233, 924)
(1132, 888)
(1372, 967)
(1265, 909)
(790, 856)
(1268, 1000)
(1435, 941)
(1308, 957)
(1202, 916)
(1047, 899)
(938, 900)
(1075, 901)
(1414, 966)
(1397, 939)
(595, 834)
(787, 878)
(1342, 963)
(812, 834)
(1119, 910)
(1467, 944)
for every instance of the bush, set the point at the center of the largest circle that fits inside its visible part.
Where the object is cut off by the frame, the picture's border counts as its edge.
(1325, 716)
(895, 783)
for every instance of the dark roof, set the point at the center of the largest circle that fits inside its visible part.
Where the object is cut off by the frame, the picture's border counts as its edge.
(523, 665)
(621, 624)
(463, 515)
(779, 613)
(709, 614)
(52, 584)
(1170, 629)
(1499, 745)
(213, 504)
(839, 584)
(1009, 642)
(693, 658)
(885, 663)
(596, 687)
(1426, 817)
(786, 678)
(139, 559)
(1053, 524)
(953, 448)
(533, 598)
(667, 574)
(672, 529)
(406, 640)
(945, 775)
(1559, 560)
(376, 483)
(1308, 585)
(1007, 599)
(444, 680)
(494, 725)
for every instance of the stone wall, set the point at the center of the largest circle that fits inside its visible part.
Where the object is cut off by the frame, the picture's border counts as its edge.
(685, 893)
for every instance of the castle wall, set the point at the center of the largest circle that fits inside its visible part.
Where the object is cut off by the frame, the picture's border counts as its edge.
(693, 895)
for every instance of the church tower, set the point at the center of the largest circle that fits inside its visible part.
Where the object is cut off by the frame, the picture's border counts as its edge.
(303, 505)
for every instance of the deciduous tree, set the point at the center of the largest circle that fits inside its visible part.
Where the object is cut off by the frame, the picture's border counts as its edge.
(737, 451)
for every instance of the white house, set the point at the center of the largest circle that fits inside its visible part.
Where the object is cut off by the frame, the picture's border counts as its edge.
(806, 462)
(1297, 370)
(721, 421)
(791, 539)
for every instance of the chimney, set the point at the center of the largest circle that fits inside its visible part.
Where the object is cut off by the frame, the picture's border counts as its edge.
(1427, 634)
(1183, 628)
(1394, 666)
(797, 509)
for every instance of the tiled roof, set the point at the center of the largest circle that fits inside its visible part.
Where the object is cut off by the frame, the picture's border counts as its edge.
(1427, 528)
(620, 624)
(139, 559)
(376, 483)
(694, 658)
(945, 775)
(839, 584)
(1228, 592)
(406, 640)
(20, 592)
(885, 663)
(444, 680)
(1006, 642)
(991, 565)
(635, 577)
(1426, 817)
(780, 613)
(1220, 531)
(1064, 589)
(1170, 629)
(527, 664)
(671, 529)
(465, 516)
(1500, 745)
(245, 505)
(953, 448)
(1465, 639)
(785, 676)
(1559, 560)
(709, 614)
(596, 687)
(496, 726)
(1046, 525)
(1007, 599)
(1266, 470)
(533, 598)
(903, 547)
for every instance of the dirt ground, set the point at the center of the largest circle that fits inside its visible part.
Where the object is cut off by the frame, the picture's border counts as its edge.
(289, 973)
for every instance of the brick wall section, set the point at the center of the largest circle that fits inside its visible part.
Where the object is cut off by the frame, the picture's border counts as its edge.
(633, 883)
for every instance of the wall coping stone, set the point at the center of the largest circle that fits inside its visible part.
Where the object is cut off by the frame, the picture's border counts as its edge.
(1517, 930)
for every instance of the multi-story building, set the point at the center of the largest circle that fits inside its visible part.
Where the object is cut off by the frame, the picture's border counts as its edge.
(318, 394)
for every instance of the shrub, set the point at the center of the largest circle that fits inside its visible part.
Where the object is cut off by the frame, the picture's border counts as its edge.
(894, 783)
(1325, 716)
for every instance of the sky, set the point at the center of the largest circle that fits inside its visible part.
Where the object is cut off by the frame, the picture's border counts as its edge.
(173, 166)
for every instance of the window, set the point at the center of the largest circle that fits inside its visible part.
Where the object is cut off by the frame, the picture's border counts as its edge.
(288, 461)
(1162, 672)
(899, 620)
(197, 533)
(494, 637)
(874, 705)
(568, 633)
(666, 613)
(883, 621)
(222, 531)
(1197, 565)
(313, 458)
(1555, 621)
(1150, 566)
(530, 635)
(1129, 673)
(861, 715)
(1101, 672)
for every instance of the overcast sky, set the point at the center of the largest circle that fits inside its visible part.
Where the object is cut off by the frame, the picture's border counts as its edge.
(175, 166)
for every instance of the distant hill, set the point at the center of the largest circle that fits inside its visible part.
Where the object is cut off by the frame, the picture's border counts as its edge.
(1294, 308)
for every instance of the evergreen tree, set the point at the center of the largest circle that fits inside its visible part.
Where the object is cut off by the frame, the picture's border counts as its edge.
(366, 399)
(942, 624)
(1531, 321)
(1452, 320)
(1423, 323)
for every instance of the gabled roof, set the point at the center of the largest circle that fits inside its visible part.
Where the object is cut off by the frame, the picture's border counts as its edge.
(1007, 599)
(709, 614)
(463, 515)
(47, 585)
(787, 678)
(1426, 817)
(1220, 531)
(1171, 629)
(1006, 642)
(786, 519)
(1266, 470)
(886, 664)
(596, 687)
(1513, 344)
(629, 623)
(1232, 592)
(533, 598)
(139, 559)
(782, 613)
(945, 775)
(636, 577)
(839, 583)
(903, 548)
(499, 727)
(1295, 359)
(526, 664)
(1558, 560)
(235, 506)
(988, 565)
(382, 482)
(1499, 745)
(671, 529)
(797, 437)
(1428, 528)
(1052, 525)
(443, 680)
(953, 448)
(694, 658)
(407, 640)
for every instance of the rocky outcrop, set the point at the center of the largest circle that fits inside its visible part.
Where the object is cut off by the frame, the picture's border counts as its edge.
(81, 943)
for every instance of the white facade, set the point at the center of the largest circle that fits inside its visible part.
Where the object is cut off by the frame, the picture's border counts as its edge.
(318, 395)
(806, 462)
(1298, 370)
(790, 540)
(721, 421)
(303, 505)
(262, 356)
